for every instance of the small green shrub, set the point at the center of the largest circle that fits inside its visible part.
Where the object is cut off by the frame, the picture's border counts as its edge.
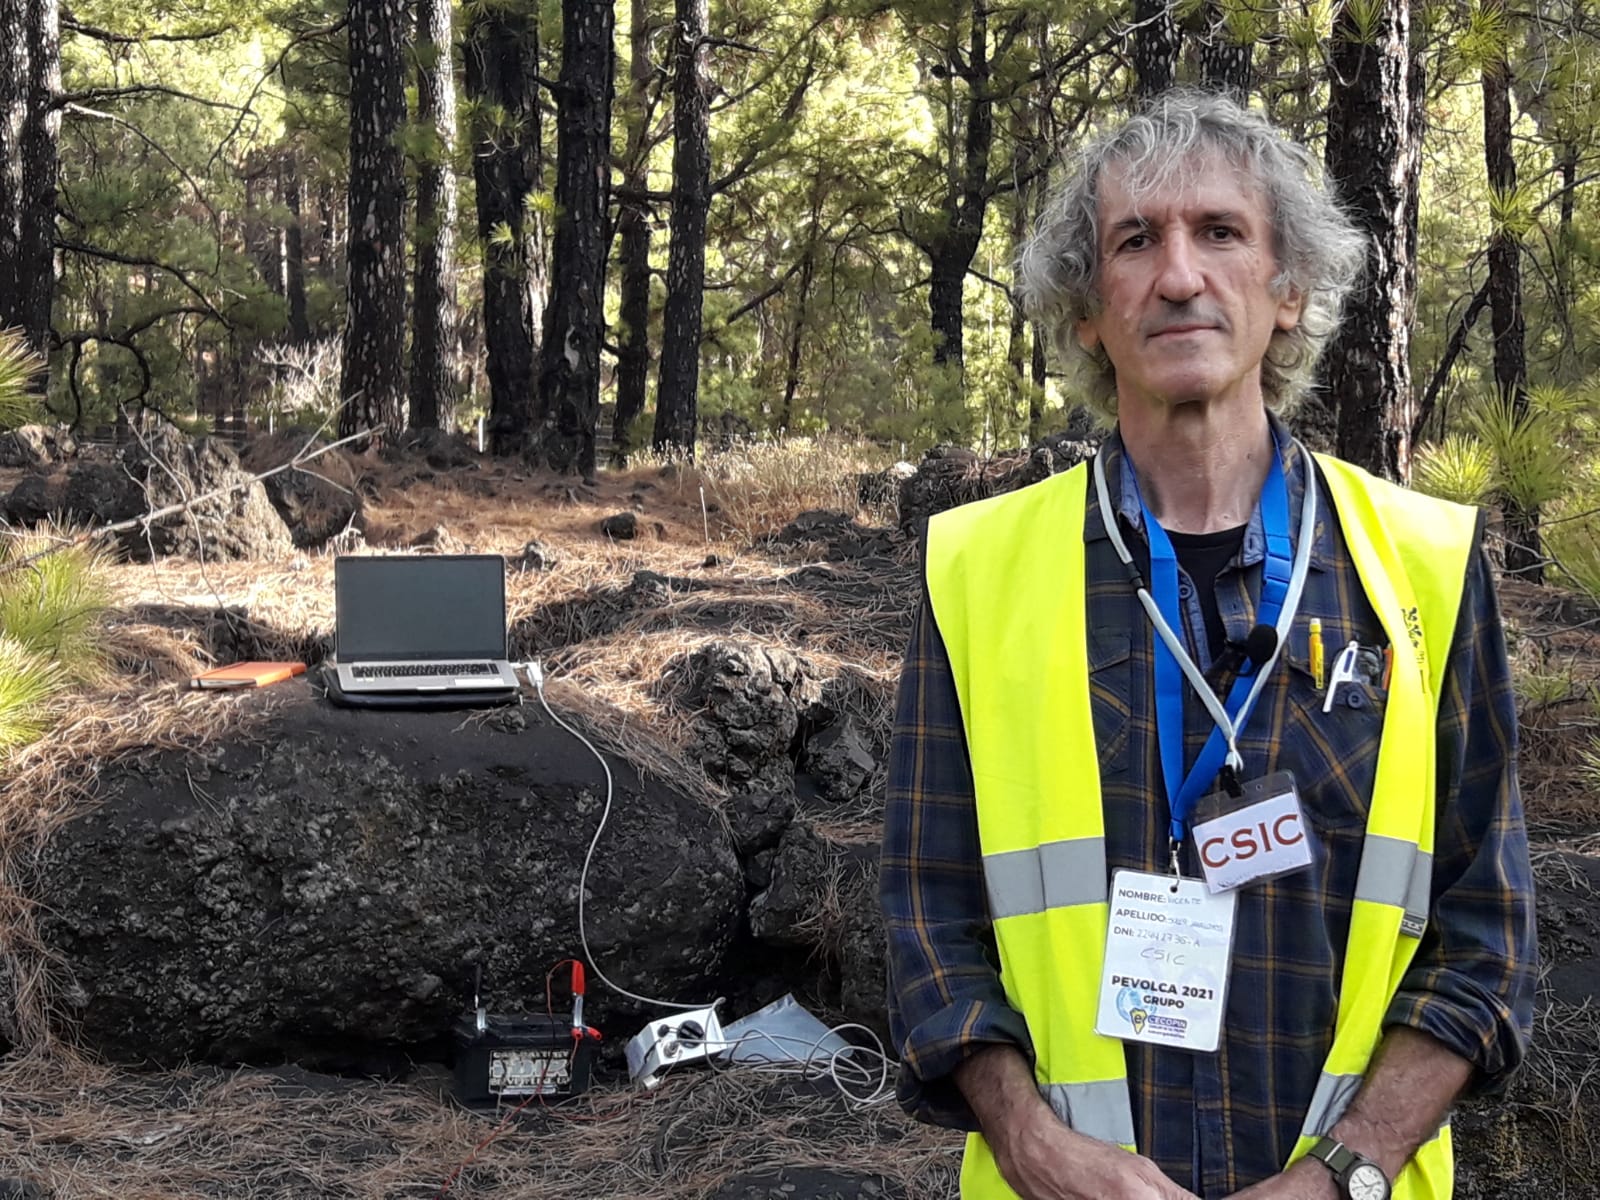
(27, 682)
(53, 606)
(1460, 468)
(18, 367)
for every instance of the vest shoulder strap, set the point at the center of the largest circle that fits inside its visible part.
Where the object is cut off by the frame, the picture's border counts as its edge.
(1419, 542)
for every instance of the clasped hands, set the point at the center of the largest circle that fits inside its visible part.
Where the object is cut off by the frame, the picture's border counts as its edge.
(1044, 1160)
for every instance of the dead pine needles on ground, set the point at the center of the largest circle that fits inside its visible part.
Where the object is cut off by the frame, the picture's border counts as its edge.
(87, 1132)
(608, 618)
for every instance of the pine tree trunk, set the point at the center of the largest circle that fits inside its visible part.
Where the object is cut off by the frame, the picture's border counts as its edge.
(36, 201)
(327, 232)
(965, 201)
(1566, 245)
(1155, 46)
(791, 375)
(294, 243)
(1225, 65)
(434, 337)
(373, 383)
(13, 120)
(1022, 200)
(569, 371)
(1370, 156)
(1523, 550)
(633, 228)
(501, 52)
(678, 386)
(1036, 400)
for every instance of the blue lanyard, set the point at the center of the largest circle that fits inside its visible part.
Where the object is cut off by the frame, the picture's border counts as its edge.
(1183, 791)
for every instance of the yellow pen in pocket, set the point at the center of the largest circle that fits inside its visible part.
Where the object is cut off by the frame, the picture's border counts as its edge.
(1316, 652)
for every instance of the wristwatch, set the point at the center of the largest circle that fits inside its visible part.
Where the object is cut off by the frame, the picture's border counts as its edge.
(1359, 1178)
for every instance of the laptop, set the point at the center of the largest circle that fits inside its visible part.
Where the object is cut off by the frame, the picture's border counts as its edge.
(421, 624)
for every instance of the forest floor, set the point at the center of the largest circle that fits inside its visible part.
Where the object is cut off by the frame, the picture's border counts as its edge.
(79, 1129)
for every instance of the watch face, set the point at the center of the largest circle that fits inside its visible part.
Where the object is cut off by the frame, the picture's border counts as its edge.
(1367, 1182)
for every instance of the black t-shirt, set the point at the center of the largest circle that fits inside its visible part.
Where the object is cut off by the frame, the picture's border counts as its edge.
(1202, 557)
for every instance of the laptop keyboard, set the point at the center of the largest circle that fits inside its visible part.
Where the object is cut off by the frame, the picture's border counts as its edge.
(415, 670)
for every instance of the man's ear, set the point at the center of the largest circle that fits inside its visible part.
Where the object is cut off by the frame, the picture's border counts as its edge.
(1087, 333)
(1290, 309)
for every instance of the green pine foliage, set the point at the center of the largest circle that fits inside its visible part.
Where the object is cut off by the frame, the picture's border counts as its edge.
(1460, 468)
(19, 366)
(1535, 447)
(53, 600)
(55, 604)
(839, 140)
(28, 682)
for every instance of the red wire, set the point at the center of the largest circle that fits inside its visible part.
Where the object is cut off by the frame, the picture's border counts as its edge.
(538, 1088)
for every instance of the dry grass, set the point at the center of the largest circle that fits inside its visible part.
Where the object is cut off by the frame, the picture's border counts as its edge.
(606, 645)
(84, 1131)
(753, 490)
(1555, 649)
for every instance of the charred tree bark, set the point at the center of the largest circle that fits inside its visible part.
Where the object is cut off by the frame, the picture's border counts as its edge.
(967, 197)
(1565, 242)
(1021, 209)
(13, 120)
(373, 383)
(569, 371)
(678, 385)
(1523, 551)
(434, 337)
(791, 374)
(294, 242)
(36, 275)
(1369, 155)
(501, 57)
(1225, 64)
(30, 128)
(633, 228)
(1156, 40)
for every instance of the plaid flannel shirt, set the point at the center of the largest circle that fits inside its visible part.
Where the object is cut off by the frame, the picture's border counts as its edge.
(1216, 1123)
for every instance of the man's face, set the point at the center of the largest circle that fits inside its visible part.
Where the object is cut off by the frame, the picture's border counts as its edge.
(1185, 286)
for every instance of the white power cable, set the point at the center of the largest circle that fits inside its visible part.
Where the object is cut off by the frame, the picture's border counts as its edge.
(834, 1063)
(535, 673)
(838, 1068)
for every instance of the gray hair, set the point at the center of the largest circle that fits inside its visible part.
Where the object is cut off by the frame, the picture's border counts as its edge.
(1319, 251)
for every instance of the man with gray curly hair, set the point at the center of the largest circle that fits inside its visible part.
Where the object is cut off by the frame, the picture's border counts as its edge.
(1204, 868)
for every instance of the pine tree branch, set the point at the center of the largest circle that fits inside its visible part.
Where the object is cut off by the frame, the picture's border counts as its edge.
(199, 195)
(299, 39)
(96, 95)
(70, 24)
(130, 260)
(1452, 351)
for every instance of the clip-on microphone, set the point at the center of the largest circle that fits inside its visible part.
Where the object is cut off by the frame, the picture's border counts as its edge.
(1256, 649)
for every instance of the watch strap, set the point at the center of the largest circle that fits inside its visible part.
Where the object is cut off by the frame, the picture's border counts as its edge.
(1334, 1155)
(1342, 1161)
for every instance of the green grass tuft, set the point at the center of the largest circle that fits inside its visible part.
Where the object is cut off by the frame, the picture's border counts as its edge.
(1460, 468)
(54, 606)
(27, 682)
(18, 366)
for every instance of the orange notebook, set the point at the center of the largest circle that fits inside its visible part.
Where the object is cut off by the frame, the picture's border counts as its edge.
(247, 674)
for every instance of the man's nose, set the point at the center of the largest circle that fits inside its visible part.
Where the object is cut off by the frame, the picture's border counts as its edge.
(1180, 279)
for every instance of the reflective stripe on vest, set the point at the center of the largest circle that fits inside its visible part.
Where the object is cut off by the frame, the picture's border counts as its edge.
(1006, 582)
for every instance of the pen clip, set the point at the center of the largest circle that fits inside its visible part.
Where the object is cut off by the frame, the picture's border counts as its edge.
(1344, 671)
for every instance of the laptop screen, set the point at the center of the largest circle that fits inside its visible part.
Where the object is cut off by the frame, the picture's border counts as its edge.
(423, 607)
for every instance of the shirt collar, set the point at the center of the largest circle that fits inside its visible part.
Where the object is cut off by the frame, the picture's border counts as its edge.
(1296, 464)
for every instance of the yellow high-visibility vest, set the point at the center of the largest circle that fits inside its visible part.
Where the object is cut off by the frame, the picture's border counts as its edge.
(1006, 581)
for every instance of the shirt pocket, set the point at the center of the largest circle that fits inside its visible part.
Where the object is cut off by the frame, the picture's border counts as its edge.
(1111, 698)
(1333, 754)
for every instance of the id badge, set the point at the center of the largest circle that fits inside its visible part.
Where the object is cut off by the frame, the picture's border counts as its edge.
(1257, 835)
(1168, 949)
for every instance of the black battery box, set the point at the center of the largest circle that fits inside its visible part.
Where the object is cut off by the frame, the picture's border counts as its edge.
(512, 1058)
